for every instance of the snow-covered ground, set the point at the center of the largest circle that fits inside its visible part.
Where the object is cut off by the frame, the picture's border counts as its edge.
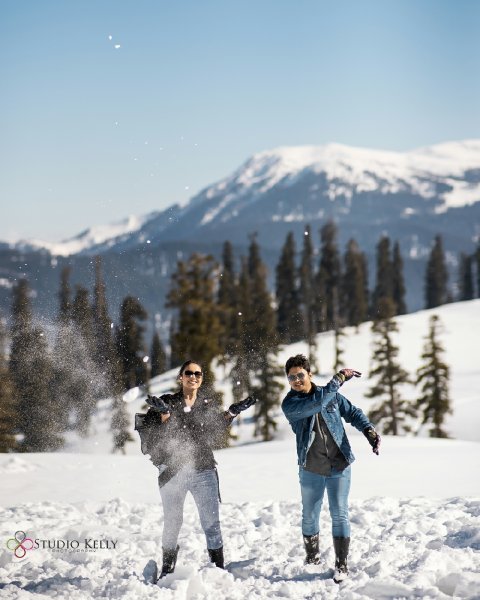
(415, 509)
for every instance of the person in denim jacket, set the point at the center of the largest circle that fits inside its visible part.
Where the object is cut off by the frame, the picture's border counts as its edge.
(324, 454)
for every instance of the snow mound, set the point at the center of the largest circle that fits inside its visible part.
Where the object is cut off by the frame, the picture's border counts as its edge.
(16, 465)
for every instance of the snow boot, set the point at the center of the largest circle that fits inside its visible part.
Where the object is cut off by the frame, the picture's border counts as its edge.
(341, 545)
(169, 561)
(311, 548)
(216, 556)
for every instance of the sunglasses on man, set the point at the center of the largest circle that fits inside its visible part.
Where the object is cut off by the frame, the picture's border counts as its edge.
(299, 376)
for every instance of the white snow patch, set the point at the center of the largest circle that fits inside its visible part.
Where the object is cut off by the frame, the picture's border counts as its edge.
(349, 169)
(97, 234)
(15, 464)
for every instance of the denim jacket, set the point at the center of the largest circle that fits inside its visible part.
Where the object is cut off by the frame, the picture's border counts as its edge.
(300, 409)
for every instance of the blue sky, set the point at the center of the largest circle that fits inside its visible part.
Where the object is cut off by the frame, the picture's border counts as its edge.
(90, 133)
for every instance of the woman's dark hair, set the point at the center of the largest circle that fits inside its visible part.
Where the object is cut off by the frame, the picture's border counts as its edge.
(185, 365)
(299, 360)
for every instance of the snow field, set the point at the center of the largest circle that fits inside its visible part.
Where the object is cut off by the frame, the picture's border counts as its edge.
(401, 548)
(415, 509)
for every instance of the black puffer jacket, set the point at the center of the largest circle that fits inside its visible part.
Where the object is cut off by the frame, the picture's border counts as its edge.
(186, 438)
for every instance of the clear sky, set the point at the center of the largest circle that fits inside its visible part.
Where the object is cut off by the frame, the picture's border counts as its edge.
(93, 129)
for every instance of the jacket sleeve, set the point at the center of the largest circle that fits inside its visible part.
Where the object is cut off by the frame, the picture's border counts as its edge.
(352, 414)
(150, 430)
(297, 407)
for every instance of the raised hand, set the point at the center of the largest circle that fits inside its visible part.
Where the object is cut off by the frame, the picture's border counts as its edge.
(373, 438)
(158, 404)
(346, 374)
(238, 407)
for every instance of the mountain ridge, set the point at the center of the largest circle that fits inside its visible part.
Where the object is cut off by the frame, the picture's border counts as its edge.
(444, 175)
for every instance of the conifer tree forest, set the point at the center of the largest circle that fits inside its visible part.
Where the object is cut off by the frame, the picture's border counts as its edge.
(223, 312)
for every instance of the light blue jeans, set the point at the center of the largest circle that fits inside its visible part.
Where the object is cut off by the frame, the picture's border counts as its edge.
(313, 487)
(203, 485)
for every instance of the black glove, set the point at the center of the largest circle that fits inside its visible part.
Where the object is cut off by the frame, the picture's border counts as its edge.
(238, 407)
(373, 438)
(346, 374)
(158, 404)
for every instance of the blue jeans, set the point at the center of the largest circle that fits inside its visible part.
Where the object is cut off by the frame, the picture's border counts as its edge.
(203, 485)
(313, 487)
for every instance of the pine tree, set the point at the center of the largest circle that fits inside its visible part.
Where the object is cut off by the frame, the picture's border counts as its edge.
(175, 359)
(82, 316)
(267, 390)
(8, 405)
(391, 411)
(354, 300)
(31, 371)
(261, 341)
(329, 273)
(433, 376)
(63, 361)
(228, 304)
(383, 291)
(110, 380)
(120, 426)
(130, 343)
(253, 368)
(199, 327)
(398, 282)
(306, 301)
(242, 356)
(339, 336)
(158, 358)
(320, 302)
(106, 356)
(261, 332)
(288, 309)
(366, 289)
(193, 293)
(81, 369)
(436, 291)
(465, 277)
(64, 295)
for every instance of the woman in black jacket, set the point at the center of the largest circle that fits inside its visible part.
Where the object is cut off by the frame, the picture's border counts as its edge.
(182, 429)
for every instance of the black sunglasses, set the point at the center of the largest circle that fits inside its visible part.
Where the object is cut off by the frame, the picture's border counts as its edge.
(190, 373)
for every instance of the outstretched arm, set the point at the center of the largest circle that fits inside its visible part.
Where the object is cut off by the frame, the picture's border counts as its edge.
(297, 407)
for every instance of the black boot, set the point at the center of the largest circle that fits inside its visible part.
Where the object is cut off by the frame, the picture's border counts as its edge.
(216, 556)
(341, 545)
(169, 561)
(311, 548)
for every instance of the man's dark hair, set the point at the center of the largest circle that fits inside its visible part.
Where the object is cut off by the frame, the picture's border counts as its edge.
(299, 360)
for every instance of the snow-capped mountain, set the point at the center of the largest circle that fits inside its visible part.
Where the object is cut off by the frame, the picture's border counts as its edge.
(410, 196)
(275, 190)
(94, 238)
(448, 173)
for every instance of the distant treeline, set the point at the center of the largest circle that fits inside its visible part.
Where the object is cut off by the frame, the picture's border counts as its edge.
(51, 377)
